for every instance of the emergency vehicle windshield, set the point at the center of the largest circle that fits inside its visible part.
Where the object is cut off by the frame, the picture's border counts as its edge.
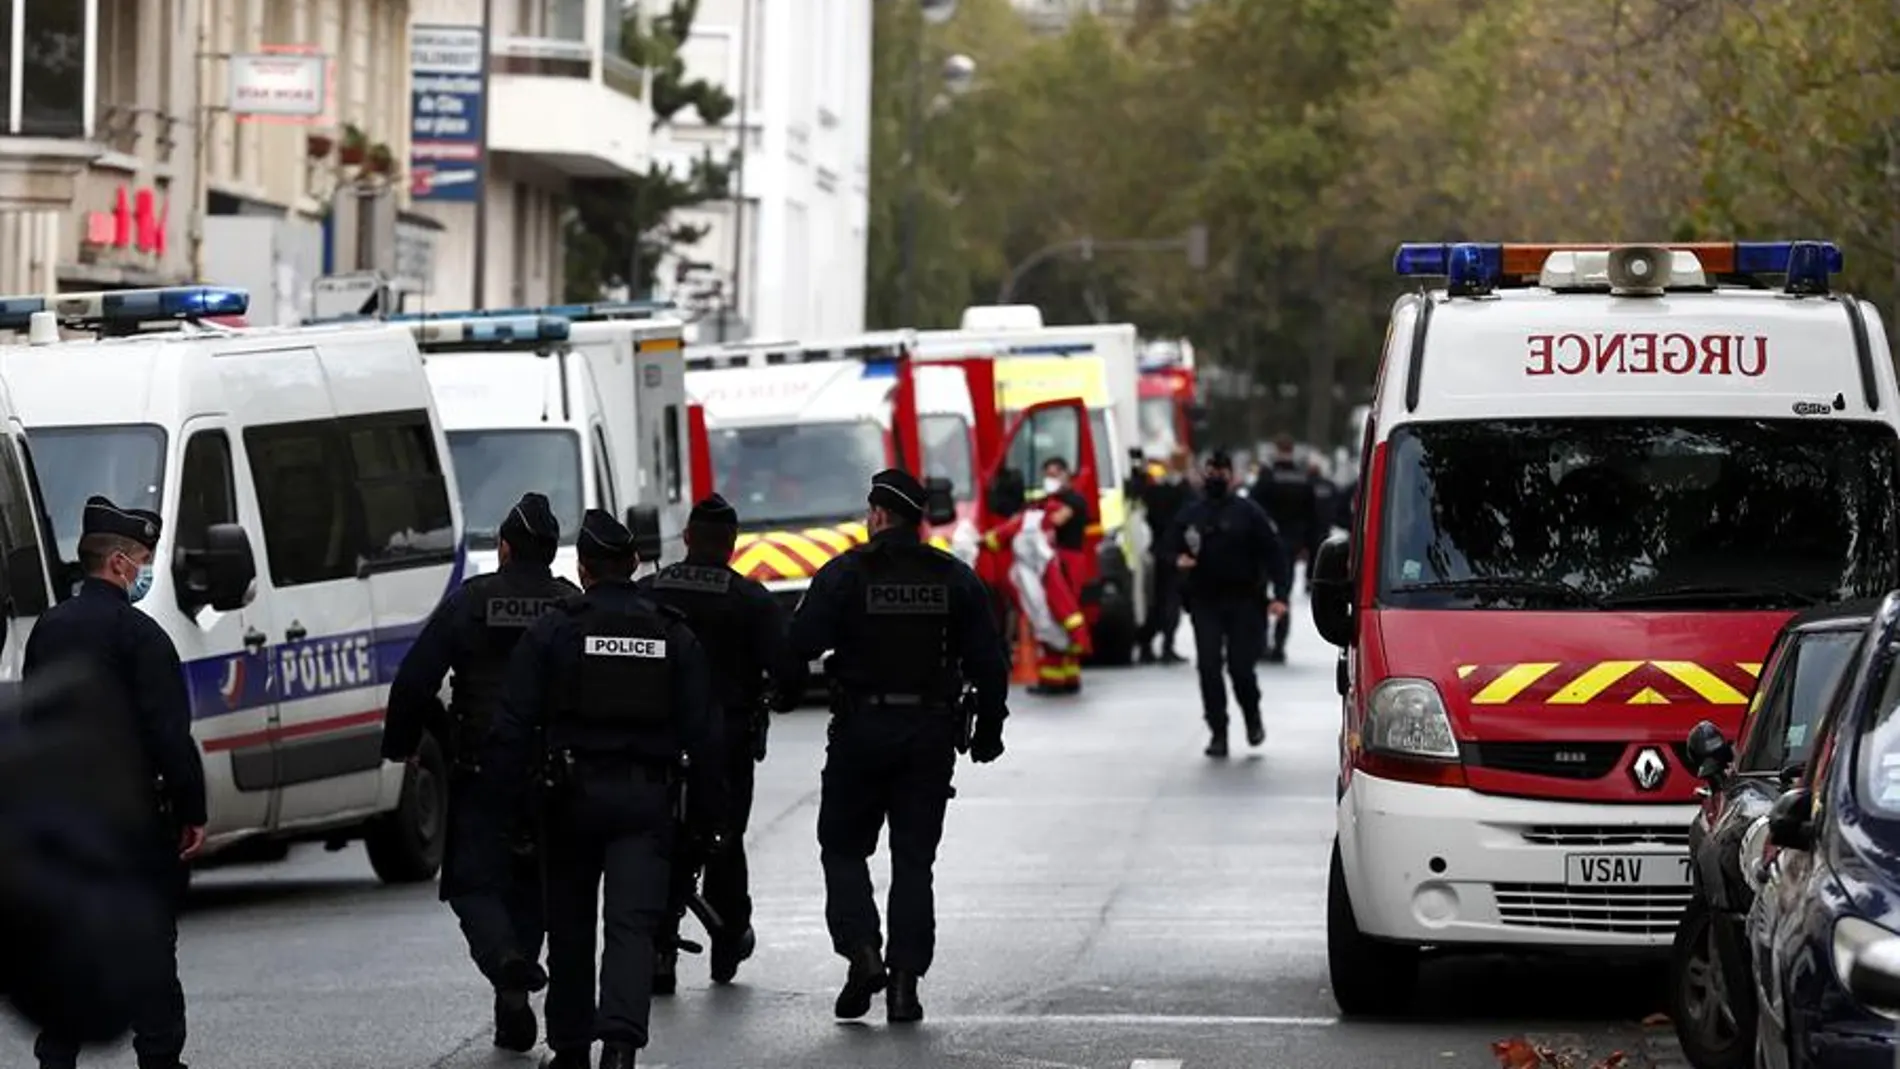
(783, 473)
(1637, 515)
(124, 462)
(494, 468)
(1157, 426)
(946, 444)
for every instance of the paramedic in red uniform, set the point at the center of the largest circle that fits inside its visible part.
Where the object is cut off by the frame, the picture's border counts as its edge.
(1069, 514)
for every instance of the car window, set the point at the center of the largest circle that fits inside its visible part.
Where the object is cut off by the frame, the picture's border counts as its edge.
(1795, 690)
(401, 492)
(304, 494)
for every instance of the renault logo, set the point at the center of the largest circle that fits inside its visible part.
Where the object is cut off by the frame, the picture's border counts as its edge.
(1649, 768)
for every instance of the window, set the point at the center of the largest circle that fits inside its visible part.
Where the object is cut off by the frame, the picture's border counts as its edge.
(124, 462)
(1048, 434)
(207, 493)
(1108, 473)
(604, 474)
(400, 489)
(25, 569)
(53, 58)
(1662, 513)
(304, 491)
(675, 477)
(789, 472)
(1159, 435)
(494, 468)
(946, 445)
(1782, 731)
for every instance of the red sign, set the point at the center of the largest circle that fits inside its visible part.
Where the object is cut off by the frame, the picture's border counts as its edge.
(1647, 354)
(137, 220)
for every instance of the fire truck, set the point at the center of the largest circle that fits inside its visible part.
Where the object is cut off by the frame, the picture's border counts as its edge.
(1170, 413)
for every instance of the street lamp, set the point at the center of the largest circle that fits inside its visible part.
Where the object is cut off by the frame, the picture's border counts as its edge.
(958, 75)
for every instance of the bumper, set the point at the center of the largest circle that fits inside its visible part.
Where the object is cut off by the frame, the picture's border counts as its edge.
(1440, 865)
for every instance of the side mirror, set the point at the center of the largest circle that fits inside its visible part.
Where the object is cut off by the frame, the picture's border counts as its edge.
(1710, 753)
(219, 574)
(1874, 977)
(1332, 591)
(26, 582)
(643, 521)
(1007, 493)
(940, 502)
(1791, 821)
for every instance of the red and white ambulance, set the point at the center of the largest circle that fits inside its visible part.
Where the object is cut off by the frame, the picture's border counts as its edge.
(1597, 480)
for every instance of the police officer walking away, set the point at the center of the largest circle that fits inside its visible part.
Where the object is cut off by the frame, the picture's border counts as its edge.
(494, 889)
(742, 629)
(100, 632)
(1290, 494)
(908, 626)
(1163, 497)
(618, 687)
(1230, 554)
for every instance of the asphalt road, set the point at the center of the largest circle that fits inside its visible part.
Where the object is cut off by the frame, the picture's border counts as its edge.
(1108, 898)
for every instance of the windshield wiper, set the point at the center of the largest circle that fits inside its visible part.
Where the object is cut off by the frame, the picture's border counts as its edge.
(1535, 588)
(1770, 594)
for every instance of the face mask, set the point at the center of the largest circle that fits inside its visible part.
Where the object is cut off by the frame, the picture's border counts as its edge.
(1216, 485)
(1051, 484)
(142, 585)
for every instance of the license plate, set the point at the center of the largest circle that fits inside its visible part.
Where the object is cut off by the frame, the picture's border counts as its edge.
(1627, 870)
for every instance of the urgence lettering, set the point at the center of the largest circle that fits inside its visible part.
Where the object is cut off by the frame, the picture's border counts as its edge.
(325, 665)
(624, 646)
(907, 599)
(1647, 354)
(518, 612)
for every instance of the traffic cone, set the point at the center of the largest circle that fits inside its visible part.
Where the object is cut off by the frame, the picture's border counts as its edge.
(1023, 668)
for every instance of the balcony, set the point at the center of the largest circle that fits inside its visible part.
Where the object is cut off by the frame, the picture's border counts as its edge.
(561, 93)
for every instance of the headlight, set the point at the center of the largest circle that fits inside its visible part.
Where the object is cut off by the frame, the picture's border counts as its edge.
(1753, 855)
(1407, 716)
(1851, 936)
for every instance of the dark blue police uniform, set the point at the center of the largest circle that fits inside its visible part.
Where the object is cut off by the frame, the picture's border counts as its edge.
(617, 686)
(742, 629)
(473, 632)
(907, 625)
(99, 630)
(1237, 555)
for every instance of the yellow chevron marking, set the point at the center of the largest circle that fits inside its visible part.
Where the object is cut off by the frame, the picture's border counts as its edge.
(804, 548)
(1753, 668)
(1512, 682)
(856, 532)
(1648, 696)
(769, 555)
(834, 540)
(743, 541)
(1704, 682)
(1594, 681)
(1466, 669)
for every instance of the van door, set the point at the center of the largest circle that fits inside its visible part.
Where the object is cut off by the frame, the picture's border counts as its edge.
(26, 589)
(228, 669)
(330, 711)
(1042, 432)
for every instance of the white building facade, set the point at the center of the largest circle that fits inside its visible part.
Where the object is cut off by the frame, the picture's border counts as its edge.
(786, 258)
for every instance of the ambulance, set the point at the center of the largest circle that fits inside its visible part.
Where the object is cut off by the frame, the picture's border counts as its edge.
(1598, 479)
(1170, 413)
(1034, 365)
(584, 403)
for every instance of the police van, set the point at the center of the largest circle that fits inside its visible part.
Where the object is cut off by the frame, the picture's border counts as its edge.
(583, 403)
(1597, 480)
(25, 586)
(310, 527)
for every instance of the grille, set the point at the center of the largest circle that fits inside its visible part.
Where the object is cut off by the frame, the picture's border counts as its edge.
(1561, 760)
(1608, 834)
(1639, 911)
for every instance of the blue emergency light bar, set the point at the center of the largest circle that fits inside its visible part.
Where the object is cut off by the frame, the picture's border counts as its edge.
(438, 332)
(127, 308)
(1481, 266)
(585, 313)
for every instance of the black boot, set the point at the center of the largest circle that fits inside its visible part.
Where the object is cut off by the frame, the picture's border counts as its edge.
(1256, 731)
(617, 1056)
(900, 1002)
(666, 979)
(1217, 746)
(515, 1026)
(570, 1059)
(866, 979)
(728, 953)
(520, 974)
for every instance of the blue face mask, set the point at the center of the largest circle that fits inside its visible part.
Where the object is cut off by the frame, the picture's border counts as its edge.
(140, 586)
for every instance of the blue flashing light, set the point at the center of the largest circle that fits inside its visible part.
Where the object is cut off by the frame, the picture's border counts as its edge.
(1422, 261)
(1816, 258)
(579, 313)
(519, 329)
(879, 368)
(126, 308)
(1470, 267)
(474, 332)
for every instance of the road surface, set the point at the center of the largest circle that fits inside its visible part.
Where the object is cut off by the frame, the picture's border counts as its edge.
(1108, 898)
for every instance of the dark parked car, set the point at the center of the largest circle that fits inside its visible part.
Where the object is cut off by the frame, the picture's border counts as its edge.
(1712, 997)
(1829, 884)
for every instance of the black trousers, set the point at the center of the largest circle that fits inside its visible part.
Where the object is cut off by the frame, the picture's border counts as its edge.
(1230, 629)
(727, 884)
(883, 764)
(612, 823)
(1281, 625)
(1164, 609)
(158, 1025)
(494, 889)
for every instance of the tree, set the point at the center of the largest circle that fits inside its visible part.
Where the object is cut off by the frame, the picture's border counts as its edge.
(619, 228)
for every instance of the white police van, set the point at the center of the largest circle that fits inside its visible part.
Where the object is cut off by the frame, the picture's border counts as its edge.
(583, 403)
(310, 527)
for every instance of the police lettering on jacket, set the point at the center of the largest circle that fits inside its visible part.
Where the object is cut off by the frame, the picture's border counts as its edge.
(516, 612)
(907, 599)
(625, 646)
(1647, 354)
(694, 578)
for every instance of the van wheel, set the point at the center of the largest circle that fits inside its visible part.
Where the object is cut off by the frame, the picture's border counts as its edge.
(1370, 977)
(1710, 1002)
(405, 845)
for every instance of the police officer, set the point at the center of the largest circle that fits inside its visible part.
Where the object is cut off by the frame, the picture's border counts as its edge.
(1163, 496)
(1230, 554)
(99, 630)
(618, 687)
(908, 626)
(494, 890)
(1290, 494)
(742, 630)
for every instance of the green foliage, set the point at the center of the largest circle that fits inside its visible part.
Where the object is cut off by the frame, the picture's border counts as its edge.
(1311, 136)
(618, 229)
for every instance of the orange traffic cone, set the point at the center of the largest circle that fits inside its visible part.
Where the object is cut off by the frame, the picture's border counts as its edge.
(1023, 668)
